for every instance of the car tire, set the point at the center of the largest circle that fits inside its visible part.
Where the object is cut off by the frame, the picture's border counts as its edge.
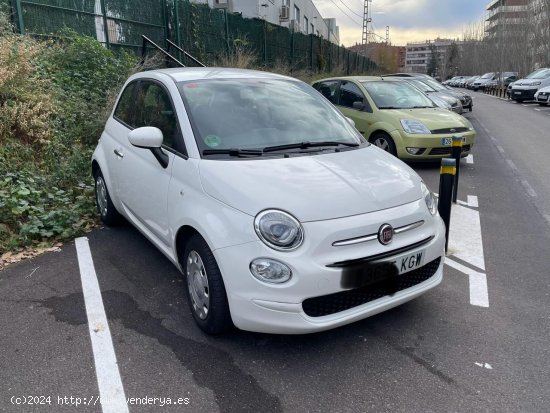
(519, 100)
(384, 142)
(107, 211)
(470, 108)
(206, 293)
(542, 104)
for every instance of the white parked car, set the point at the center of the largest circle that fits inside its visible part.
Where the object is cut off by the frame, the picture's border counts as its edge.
(282, 218)
(525, 89)
(542, 96)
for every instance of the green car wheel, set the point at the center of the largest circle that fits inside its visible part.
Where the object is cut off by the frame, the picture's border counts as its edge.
(384, 142)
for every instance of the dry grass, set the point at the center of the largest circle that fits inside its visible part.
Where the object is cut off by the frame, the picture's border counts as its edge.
(25, 105)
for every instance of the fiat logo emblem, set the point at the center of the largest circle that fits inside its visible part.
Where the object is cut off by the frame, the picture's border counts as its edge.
(385, 234)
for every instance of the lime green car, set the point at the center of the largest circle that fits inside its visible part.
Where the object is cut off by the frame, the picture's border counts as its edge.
(397, 117)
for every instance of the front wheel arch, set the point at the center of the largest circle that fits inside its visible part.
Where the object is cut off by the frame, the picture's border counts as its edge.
(384, 135)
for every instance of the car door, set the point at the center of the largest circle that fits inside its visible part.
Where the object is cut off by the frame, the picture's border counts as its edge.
(143, 175)
(349, 94)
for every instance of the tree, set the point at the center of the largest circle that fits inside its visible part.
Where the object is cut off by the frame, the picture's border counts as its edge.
(433, 63)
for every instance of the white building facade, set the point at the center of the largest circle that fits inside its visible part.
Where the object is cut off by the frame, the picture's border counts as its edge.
(299, 15)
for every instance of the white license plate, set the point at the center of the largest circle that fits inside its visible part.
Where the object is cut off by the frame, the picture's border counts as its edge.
(517, 93)
(543, 98)
(449, 141)
(409, 262)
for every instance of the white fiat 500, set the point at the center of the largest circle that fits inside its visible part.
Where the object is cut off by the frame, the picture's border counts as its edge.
(281, 216)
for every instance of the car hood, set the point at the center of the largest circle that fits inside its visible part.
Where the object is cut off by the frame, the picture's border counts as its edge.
(527, 82)
(447, 97)
(544, 89)
(313, 187)
(455, 93)
(432, 118)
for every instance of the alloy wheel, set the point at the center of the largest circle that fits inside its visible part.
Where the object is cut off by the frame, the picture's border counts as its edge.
(101, 195)
(382, 144)
(197, 283)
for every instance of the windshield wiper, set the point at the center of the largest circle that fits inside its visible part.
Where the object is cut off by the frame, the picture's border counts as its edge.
(422, 107)
(307, 144)
(389, 107)
(233, 152)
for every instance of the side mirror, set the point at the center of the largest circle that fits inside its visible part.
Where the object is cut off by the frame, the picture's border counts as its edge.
(359, 106)
(146, 137)
(351, 121)
(149, 137)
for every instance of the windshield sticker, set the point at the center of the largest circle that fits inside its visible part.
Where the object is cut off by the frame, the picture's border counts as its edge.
(213, 141)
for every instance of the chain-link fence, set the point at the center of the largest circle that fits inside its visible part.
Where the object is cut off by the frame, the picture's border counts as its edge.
(208, 34)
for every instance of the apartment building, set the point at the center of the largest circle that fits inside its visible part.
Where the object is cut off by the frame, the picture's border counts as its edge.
(506, 16)
(298, 15)
(418, 55)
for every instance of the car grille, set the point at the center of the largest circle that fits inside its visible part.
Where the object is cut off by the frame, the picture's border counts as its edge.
(526, 94)
(447, 150)
(344, 300)
(449, 130)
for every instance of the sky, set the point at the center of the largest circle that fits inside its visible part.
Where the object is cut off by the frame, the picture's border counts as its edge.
(409, 20)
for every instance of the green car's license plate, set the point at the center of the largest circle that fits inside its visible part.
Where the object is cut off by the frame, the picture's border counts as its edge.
(449, 141)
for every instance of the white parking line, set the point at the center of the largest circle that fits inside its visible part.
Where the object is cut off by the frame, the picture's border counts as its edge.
(472, 201)
(111, 392)
(479, 295)
(500, 149)
(470, 159)
(465, 241)
(530, 191)
(512, 164)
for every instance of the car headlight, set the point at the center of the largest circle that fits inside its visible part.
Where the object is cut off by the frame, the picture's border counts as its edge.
(535, 83)
(414, 126)
(429, 198)
(279, 230)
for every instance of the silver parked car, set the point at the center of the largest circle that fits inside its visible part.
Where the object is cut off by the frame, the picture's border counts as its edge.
(453, 102)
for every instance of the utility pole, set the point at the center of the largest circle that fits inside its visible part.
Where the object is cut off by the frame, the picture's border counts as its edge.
(387, 35)
(366, 20)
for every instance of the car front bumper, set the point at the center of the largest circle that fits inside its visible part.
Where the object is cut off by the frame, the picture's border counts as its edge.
(432, 144)
(543, 97)
(279, 308)
(523, 93)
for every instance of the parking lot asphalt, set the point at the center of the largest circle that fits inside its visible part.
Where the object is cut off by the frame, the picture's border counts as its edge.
(438, 353)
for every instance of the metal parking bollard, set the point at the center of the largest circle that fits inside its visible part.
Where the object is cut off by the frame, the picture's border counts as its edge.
(456, 154)
(446, 181)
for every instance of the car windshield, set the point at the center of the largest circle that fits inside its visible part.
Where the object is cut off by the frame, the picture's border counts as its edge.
(488, 76)
(433, 84)
(256, 114)
(424, 87)
(539, 74)
(396, 95)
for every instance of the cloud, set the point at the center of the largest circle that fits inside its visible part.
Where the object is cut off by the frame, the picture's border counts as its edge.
(409, 20)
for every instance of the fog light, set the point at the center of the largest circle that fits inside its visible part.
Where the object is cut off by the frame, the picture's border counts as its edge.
(416, 151)
(271, 271)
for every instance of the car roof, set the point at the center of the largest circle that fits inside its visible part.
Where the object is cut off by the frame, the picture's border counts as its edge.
(360, 78)
(405, 75)
(182, 74)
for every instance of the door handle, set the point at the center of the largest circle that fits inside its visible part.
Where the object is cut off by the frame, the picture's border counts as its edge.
(118, 153)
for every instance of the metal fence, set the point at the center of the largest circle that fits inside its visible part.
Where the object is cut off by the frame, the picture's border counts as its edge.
(209, 34)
